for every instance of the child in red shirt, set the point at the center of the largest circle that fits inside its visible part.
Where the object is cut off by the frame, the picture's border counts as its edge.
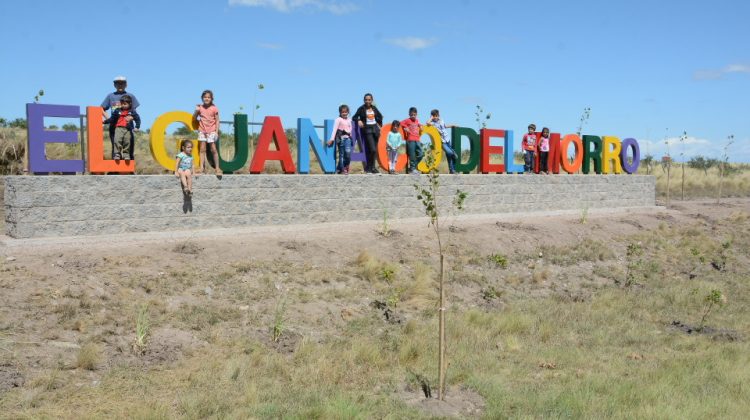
(529, 145)
(125, 120)
(412, 127)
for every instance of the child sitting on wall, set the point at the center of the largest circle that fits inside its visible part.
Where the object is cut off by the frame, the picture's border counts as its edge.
(184, 167)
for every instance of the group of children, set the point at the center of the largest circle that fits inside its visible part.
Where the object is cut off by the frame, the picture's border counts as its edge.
(207, 115)
(406, 132)
(124, 120)
(532, 145)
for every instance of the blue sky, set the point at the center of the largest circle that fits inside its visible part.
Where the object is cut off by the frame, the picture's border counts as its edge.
(647, 69)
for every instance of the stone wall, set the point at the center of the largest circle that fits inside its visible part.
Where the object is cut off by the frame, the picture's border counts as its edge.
(48, 206)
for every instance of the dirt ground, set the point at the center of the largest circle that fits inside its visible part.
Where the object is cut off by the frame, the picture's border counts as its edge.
(59, 296)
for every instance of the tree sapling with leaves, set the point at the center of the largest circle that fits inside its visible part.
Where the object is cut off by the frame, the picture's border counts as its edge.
(428, 196)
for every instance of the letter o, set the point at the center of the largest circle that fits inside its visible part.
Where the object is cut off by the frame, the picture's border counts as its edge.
(571, 167)
(437, 149)
(630, 143)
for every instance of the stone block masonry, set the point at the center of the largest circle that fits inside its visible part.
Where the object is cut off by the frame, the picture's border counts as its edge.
(56, 206)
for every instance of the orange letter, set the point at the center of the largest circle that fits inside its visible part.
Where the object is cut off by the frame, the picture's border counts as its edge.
(571, 167)
(383, 151)
(95, 134)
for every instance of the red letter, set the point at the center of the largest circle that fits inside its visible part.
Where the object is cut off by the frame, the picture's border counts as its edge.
(485, 166)
(272, 131)
(553, 160)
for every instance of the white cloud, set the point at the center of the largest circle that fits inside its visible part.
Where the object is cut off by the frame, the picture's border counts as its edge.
(692, 146)
(269, 46)
(287, 6)
(412, 43)
(688, 141)
(714, 74)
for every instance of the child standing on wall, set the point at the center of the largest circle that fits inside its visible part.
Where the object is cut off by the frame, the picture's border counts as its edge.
(342, 135)
(394, 142)
(125, 120)
(208, 129)
(529, 145)
(113, 100)
(184, 167)
(544, 151)
(442, 128)
(412, 129)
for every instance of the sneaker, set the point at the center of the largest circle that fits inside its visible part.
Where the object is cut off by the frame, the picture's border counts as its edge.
(453, 172)
(374, 171)
(116, 156)
(346, 170)
(127, 158)
(392, 172)
(414, 172)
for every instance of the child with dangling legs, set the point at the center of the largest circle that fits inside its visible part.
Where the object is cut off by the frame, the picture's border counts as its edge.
(184, 167)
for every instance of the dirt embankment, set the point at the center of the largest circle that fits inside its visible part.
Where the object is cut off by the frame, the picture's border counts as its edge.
(70, 313)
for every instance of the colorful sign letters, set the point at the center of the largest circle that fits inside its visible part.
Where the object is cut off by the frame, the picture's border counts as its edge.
(601, 155)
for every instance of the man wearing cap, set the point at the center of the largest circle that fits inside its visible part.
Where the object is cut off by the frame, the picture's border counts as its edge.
(112, 101)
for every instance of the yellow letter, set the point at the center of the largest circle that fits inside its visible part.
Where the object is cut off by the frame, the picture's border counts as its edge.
(610, 154)
(158, 131)
(437, 149)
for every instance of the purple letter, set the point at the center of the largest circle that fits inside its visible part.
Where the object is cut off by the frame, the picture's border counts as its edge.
(38, 137)
(630, 143)
(358, 140)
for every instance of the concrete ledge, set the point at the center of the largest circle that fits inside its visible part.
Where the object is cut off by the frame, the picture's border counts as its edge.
(60, 206)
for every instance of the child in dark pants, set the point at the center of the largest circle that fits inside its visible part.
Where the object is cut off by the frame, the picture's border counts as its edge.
(544, 151)
(342, 136)
(529, 148)
(125, 120)
(113, 101)
(412, 128)
(442, 128)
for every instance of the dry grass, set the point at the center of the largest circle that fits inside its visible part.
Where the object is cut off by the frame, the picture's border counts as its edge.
(701, 185)
(586, 250)
(610, 355)
(372, 269)
(89, 356)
